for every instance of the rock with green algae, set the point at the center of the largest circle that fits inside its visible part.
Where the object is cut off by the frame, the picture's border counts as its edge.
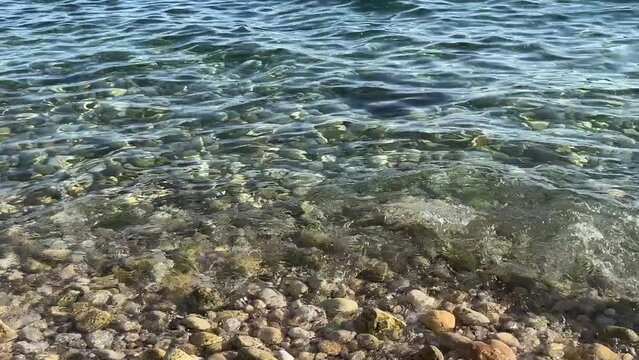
(177, 354)
(590, 352)
(186, 257)
(313, 238)
(153, 354)
(379, 323)
(247, 265)
(377, 272)
(461, 259)
(206, 339)
(625, 335)
(89, 319)
(205, 298)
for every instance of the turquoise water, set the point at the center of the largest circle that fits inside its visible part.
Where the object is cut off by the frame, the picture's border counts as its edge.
(506, 127)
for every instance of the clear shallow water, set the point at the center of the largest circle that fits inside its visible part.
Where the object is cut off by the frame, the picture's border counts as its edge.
(508, 127)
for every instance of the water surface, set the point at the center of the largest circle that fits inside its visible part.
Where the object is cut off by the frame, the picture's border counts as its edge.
(506, 127)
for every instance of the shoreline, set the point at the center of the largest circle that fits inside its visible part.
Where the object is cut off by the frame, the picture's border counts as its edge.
(59, 304)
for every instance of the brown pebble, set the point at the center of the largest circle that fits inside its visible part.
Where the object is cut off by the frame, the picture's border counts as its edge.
(508, 339)
(590, 351)
(329, 347)
(454, 341)
(439, 321)
(508, 353)
(482, 351)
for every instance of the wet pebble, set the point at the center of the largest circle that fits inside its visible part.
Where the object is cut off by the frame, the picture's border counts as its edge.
(507, 338)
(273, 298)
(100, 339)
(438, 321)
(468, 316)
(339, 306)
(420, 300)
(270, 335)
(197, 322)
(30, 333)
(329, 347)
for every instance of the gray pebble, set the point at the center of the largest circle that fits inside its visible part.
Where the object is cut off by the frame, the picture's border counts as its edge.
(283, 355)
(72, 340)
(109, 354)
(468, 316)
(101, 339)
(25, 347)
(296, 288)
(300, 333)
(273, 298)
(30, 333)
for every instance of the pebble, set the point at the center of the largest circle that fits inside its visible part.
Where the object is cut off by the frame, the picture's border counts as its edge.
(555, 351)
(108, 354)
(283, 355)
(218, 356)
(24, 347)
(153, 354)
(270, 335)
(155, 320)
(359, 355)
(241, 341)
(205, 339)
(300, 333)
(529, 338)
(128, 325)
(591, 352)
(30, 333)
(273, 298)
(99, 297)
(438, 321)
(481, 351)
(72, 340)
(177, 354)
(305, 355)
(68, 272)
(339, 306)
(341, 336)
(100, 339)
(6, 333)
(379, 323)
(296, 288)
(329, 347)
(253, 353)
(468, 316)
(93, 319)
(197, 322)
(231, 325)
(454, 341)
(508, 353)
(507, 338)
(368, 341)
(308, 313)
(429, 352)
(420, 300)
(625, 335)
